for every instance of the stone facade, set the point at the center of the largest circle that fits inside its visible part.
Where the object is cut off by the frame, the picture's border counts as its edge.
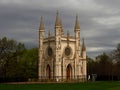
(61, 57)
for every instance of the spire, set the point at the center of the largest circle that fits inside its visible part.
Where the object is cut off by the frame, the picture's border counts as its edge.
(77, 23)
(83, 46)
(41, 24)
(57, 22)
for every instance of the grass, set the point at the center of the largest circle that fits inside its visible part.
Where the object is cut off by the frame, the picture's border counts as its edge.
(64, 86)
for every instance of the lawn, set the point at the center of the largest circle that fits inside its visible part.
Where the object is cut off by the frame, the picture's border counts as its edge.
(64, 86)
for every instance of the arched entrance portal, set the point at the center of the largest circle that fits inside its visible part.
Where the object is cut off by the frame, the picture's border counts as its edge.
(69, 72)
(48, 72)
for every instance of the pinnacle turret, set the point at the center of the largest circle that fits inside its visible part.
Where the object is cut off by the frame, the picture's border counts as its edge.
(57, 22)
(83, 46)
(83, 50)
(77, 27)
(41, 24)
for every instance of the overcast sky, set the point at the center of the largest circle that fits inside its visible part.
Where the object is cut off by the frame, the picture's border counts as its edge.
(99, 21)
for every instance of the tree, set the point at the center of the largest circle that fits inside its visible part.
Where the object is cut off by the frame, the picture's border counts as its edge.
(116, 53)
(104, 67)
(116, 58)
(9, 52)
(16, 62)
(28, 65)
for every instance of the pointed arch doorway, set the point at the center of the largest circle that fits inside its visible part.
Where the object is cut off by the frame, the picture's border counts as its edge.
(69, 72)
(48, 72)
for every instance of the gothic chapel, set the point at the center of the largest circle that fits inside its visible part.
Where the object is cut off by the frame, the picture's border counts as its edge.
(61, 57)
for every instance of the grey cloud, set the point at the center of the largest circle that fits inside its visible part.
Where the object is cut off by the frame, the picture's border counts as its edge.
(110, 3)
(19, 19)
